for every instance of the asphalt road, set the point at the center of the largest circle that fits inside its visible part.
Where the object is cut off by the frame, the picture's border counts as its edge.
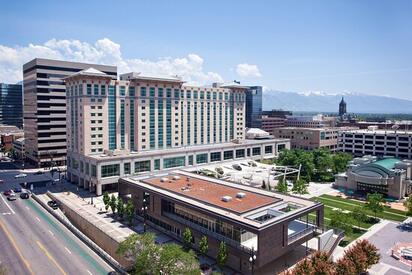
(33, 242)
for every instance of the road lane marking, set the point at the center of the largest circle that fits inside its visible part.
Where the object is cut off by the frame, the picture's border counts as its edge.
(88, 271)
(50, 257)
(12, 211)
(68, 250)
(26, 263)
(37, 218)
(6, 213)
(51, 233)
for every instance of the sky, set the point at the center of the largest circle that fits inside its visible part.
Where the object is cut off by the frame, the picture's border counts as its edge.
(301, 46)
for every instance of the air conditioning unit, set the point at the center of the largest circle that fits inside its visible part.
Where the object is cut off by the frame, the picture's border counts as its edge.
(240, 195)
(226, 198)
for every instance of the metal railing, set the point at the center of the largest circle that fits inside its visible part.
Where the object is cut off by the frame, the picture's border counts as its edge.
(298, 235)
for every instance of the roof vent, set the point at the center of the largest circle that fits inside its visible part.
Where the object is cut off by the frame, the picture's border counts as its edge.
(226, 198)
(240, 195)
(164, 179)
(176, 177)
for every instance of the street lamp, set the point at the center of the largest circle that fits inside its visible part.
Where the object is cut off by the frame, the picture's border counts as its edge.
(91, 194)
(252, 259)
(144, 211)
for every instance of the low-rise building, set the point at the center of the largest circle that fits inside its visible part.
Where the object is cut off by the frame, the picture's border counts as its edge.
(317, 121)
(248, 220)
(388, 176)
(269, 124)
(373, 141)
(18, 147)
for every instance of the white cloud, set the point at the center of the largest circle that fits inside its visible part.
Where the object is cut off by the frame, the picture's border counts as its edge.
(248, 70)
(103, 51)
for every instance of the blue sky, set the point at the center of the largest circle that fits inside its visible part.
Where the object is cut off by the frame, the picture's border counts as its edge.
(301, 46)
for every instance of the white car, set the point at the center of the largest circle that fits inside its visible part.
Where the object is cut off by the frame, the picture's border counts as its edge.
(20, 176)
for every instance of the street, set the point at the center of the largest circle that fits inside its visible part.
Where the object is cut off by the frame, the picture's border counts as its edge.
(34, 242)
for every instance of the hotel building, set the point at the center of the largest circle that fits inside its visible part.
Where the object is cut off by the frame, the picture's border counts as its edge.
(141, 124)
(45, 108)
(250, 221)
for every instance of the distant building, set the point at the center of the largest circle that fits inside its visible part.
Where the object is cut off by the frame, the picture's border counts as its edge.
(277, 113)
(310, 138)
(317, 121)
(254, 107)
(372, 141)
(8, 134)
(342, 108)
(388, 176)
(18, 146)
(249, 220)
(11, 104)
(45, 108)
(269, 124)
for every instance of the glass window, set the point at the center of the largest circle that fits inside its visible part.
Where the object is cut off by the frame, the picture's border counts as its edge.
(126, 168)
(157, 164)
(269, 149)
(142, 166)
(110, 170)
(93, 170)
(160, 92)
(143, 91)
(201, 158)
(281, 147)
(202, 95)
(174, 162)
(168, 92)
(216, 156)
(152, 92)
(177, 93)
(191, 160)
(89, 89)
(103, 89)
(214, 95)
(228, 155)
(96, 89)
(131, 91)
(240, 153)
(122, 90)
(256, 151)
(188, 94)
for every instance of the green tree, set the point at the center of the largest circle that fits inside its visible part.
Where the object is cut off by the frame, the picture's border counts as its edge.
(106, 200)
(113, 203)
(362, 255)
(374, 203)
(120, 207)
(282, 187)
(359, 214)
(173, 259)
(222, 254)
(340, 161)
(322, 159)
(187, 238)
(321, 263)
(341, 220)
(203, 246)
(300, 187)
(408, 205)
(129, 211)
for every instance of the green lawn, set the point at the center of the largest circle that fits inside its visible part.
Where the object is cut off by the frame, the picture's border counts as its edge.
(348, 204)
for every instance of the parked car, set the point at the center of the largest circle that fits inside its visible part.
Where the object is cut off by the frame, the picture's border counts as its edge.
(20, 176)
(7, 192)
(53, 204)
(24, 195)
(17, 190)
(1, 181)
(11, 197)
(237, 167)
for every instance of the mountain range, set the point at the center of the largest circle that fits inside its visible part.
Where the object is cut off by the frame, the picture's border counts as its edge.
(324, 102)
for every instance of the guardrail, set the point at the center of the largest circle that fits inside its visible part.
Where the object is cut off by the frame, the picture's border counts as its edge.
(82, 236)
(298, 235)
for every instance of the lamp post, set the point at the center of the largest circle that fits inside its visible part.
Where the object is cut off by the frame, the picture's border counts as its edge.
(91, 194)
(252, 259)
(144, 211)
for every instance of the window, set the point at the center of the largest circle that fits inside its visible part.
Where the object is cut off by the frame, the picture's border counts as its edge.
(256, 151)
(131, 92)
(110, 170)
(216, 156)
(143, 92)
(89, 89)
(142, 166)
(160, 92)
(268, 149)
(126, 168)
(157, 164)
(281, 147)
(122, 90)
(93, 170)
(177, 93)
(191, 160)
(240, 153)
(173, 162)
(96, 89)
(103, 89)
(201, 158)
(227, 155)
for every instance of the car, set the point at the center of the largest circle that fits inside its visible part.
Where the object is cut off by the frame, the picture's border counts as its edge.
(8, 192)
(11, 197)
(237, 167)
(39, 173)
(20, 176)
(17, 190)
(24, 195)
(53, 204)
(1, 181)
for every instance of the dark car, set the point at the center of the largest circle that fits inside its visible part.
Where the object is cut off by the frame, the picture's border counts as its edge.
(53, 204)
(24, 195)
(7, 192)
(17, 190)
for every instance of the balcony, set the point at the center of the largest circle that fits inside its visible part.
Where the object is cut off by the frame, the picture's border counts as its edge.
(298, 229)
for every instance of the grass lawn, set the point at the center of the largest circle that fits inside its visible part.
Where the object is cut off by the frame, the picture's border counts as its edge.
(348, 204)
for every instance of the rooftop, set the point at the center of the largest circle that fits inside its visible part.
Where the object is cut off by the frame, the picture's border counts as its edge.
(380, 131)
(209, 192)
(388, 163)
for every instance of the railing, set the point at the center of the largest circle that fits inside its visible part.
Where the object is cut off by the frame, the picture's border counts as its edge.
(213, 234)
(298, 235)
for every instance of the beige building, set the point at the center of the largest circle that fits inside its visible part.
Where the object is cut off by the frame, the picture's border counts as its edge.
(317, 121)
(141, 124)
(310, 138)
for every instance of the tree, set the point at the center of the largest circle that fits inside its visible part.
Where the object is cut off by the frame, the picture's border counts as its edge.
(113, 203)
(106, 200)
(341, 220)
(120, 207)
(222, 254)
(321, 263)
(203, 246)
(359, 214)
(408, 205)
(340, 161)
(302, 268)
(300, 187)
(282, 187)
(362, 256)
(187, 238)
(173, 260)
(129, 211)
(374, 202)
(345, 266)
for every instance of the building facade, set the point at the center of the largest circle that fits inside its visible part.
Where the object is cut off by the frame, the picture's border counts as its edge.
(141, 124)
(254, 107)
(376, 142)
(248, 220)
(342, 108)
(269, 124)
(317, 121)
(45, 108)
(388, 176)
(11, 105)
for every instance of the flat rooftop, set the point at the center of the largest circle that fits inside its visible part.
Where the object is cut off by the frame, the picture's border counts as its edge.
(209, 192)
(400, 131)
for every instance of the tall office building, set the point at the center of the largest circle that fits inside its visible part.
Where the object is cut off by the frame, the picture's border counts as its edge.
(254, 107)
(45, 108)
(11, 104)
(142, 124)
